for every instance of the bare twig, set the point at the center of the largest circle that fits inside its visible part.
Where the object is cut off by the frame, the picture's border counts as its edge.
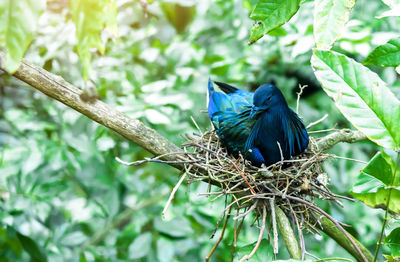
(298, 96)
(222, 234)
(173, 193)
(260, 237)
(317, 122)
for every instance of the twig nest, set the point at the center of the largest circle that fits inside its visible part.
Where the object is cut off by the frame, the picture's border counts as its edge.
(301, 177)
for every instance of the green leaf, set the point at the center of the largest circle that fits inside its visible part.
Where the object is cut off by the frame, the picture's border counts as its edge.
(393, 242)
(385, 55)
(361, 96)
(141, 246)
(18, 24)
(90, 18)
(73, 239)
(177, 227)
(265, 251)
(372, 184)
(165, 250)
(330, 17)
(271, 14)
(31, 248)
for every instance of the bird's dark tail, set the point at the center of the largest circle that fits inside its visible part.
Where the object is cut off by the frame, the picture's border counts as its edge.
(228, 89)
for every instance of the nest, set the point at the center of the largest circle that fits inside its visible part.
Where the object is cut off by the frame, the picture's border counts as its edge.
(300, 177)
(287, 188)
(289, 185)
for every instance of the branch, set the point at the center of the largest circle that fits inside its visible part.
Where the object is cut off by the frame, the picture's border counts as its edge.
(149, 139)
(343, 135)
(56, 87)
(288, 235)
(329, 228)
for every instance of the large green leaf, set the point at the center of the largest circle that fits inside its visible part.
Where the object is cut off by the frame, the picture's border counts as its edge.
(385, 55)
(361, 96)
(271, 14)
(18, 23)
(330, 17)
(90, 18)
(372, 184)
(393, 242)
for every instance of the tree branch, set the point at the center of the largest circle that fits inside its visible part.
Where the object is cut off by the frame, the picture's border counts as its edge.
(329, 228)
(56, 87)
(343, 135)
(149, 139)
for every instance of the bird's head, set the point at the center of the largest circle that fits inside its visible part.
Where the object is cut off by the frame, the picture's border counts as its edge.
(266, 98)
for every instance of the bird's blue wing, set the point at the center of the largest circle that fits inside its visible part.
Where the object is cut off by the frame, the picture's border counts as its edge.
(252, 152)
(234, 100)
(294, 133)
(229, 114)
(233, 128)
(228, 89)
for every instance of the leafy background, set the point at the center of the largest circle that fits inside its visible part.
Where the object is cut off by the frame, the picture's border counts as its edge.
(63, 195)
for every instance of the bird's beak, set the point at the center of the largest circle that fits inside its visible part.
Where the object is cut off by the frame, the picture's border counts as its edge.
(253, 112)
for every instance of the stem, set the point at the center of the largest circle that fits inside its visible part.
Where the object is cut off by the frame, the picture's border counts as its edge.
(387, 208)
(222, 234)
(288, 235)
(329, 228)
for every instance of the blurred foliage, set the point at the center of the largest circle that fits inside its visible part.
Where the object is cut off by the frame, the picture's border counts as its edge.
(63, 195)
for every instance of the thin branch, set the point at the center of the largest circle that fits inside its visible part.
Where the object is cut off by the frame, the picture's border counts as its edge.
(171, 197)
(317, 122)
(260, 236)
(222, 234)
(298, 97)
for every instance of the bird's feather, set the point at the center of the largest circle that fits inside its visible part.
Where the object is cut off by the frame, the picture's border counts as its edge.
(273, 132)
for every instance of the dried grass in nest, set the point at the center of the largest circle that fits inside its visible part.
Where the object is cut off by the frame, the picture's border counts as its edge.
(290, 186)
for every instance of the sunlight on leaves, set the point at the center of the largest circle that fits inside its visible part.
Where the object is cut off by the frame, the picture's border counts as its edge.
(18, 24)
(330, 17)
(90, 18)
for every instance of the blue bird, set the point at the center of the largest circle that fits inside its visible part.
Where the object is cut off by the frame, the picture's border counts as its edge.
(259, 125)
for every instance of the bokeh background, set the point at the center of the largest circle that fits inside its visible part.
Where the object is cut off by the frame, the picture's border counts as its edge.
(60, 185)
